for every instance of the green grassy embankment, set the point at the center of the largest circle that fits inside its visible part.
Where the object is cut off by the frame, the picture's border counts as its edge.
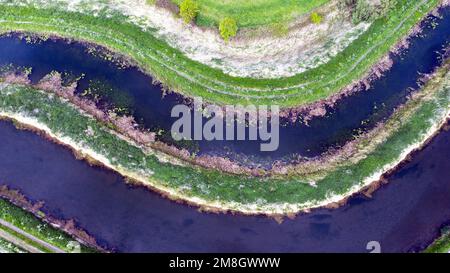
(409, 128)
(191, 78)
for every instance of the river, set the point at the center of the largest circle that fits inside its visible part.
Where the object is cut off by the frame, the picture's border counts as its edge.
(404, 215)
(148, 105)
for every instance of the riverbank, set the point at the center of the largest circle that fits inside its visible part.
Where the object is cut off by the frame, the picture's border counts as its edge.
(178, 73)
(419, 120)
(441, 244)
(310, 169)
(40, 232)
(127, 90)
(107, 207)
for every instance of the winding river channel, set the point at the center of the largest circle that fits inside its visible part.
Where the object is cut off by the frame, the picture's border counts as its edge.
(153, 110)
(404, 215)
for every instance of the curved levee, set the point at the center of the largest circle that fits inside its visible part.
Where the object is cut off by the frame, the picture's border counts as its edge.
(194, 79)
(305, 144)
(408, 129)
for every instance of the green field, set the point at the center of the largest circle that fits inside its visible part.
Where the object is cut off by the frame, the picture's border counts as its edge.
(181, 74)
(252, 13)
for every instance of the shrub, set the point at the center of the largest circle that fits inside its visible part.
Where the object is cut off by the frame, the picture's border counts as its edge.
(228, 28)
(316, 18)
(365, 10)
(188, 10)
(151, 2)
(346, 4)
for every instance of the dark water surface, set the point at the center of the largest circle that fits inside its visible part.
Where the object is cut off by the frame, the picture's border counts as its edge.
(404, 215)
(146, 102)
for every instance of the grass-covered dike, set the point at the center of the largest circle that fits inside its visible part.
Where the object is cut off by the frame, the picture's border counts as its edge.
(179, 73)
(408, 129)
